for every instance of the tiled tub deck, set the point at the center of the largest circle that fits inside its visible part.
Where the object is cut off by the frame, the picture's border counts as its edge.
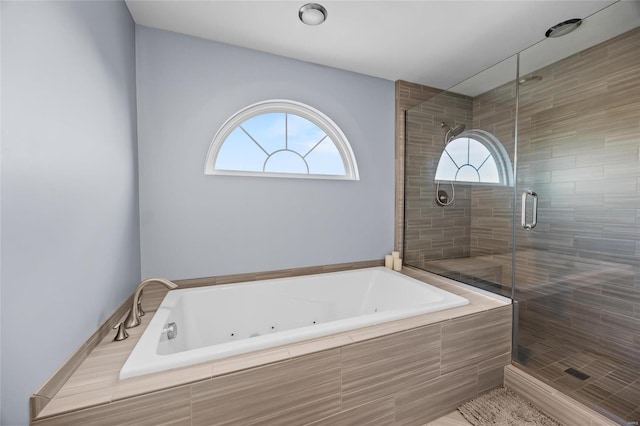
(405, 372)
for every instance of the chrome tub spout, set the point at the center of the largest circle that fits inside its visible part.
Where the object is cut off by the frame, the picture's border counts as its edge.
(133, 319)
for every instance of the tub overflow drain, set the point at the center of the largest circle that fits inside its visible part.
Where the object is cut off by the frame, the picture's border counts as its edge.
(171, 330)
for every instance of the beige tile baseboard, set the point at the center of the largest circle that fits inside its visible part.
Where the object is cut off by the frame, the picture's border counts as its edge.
(554, 403)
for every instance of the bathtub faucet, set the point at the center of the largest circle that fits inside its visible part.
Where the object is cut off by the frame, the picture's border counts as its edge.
(133, 319)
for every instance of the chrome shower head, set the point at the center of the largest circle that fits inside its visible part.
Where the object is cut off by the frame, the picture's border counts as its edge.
(452, 133)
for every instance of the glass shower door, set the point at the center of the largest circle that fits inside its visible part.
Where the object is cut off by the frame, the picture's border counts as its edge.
(578, 176)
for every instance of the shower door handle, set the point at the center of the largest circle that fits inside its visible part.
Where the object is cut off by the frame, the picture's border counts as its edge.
(534, 210)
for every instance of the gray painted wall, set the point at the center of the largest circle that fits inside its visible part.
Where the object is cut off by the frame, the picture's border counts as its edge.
(194, 225)
(70, 229)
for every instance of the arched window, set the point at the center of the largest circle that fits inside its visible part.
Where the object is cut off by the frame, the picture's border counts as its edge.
(281, 138)
(475, 156)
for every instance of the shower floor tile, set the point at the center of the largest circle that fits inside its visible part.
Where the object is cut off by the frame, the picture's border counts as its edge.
(612, 384)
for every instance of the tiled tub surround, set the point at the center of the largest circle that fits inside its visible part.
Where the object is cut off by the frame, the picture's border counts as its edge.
(408, 371)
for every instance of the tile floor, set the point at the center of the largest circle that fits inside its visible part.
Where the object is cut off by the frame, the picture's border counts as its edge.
(452, 419)
(612, 384)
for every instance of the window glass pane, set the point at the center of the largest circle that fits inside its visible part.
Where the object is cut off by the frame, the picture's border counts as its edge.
(467, 174)
(480, 158)
(239, 152)
(446, 168)
(281, 137)
(325, 159)
(268, 130)
(458, 149)
(489, 171)
(285, 162)
(477, 153)
(302, 134)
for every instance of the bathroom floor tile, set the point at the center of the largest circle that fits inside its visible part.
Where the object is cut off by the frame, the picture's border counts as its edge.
(612, 384)
(594, 392)
(634, 417)
(619, 405)
(452, 419)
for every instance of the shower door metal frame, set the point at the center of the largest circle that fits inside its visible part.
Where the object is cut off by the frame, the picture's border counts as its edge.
(514, 303)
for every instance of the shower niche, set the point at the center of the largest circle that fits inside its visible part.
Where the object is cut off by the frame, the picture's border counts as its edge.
(525, 181)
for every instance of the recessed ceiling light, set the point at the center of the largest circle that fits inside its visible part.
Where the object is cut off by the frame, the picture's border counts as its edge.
(312, 14)
(563, 28)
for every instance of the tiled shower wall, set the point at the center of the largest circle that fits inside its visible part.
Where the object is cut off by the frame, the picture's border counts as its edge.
(578, 148)
(477, 225)
(492, 206)
(408, 95)
(433, 232)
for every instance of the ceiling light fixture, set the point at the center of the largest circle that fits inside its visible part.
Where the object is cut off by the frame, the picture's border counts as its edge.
(312, 14)
(563, 28)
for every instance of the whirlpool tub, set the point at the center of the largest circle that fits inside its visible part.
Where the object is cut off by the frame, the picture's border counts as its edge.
(200, 324)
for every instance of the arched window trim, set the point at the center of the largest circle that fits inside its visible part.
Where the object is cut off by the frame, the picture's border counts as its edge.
(286, 106)
(497, 151)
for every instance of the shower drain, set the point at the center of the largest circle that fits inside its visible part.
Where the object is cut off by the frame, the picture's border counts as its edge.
(577, 373)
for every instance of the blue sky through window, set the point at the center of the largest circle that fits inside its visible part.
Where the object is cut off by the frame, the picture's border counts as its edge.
(281, 143)
(467, 160)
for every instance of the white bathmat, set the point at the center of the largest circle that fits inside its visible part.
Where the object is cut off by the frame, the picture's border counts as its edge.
(501, 407)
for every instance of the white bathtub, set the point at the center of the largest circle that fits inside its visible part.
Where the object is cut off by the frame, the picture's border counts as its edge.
(223, 320)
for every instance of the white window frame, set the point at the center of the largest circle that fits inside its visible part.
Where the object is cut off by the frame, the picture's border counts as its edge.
(284, 106)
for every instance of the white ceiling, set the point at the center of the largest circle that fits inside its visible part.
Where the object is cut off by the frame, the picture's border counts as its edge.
(436, 43)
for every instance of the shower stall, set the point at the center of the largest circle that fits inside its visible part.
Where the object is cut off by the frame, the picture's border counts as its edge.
(525, 181)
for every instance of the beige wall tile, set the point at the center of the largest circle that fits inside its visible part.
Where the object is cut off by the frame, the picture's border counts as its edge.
(249, 360)
(171, 407)
(469, 340)
(491, 372)
(435, 398)
(162, 380)
(408, 95)
(64, 404)
(383, 366)
(317, 345)
(297, 391)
